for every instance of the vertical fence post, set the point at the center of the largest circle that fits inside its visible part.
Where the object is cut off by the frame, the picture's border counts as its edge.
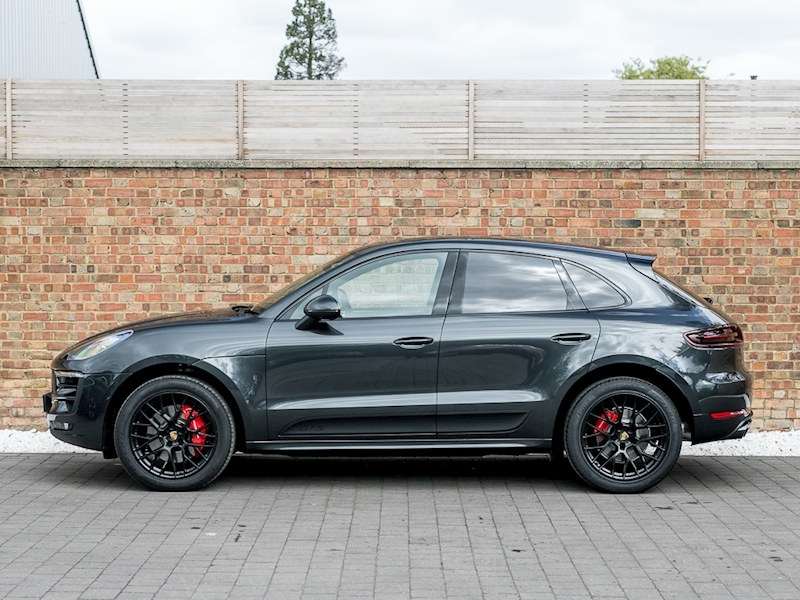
(701, 155)
(240, 111)
(9, 152)
(471, 117)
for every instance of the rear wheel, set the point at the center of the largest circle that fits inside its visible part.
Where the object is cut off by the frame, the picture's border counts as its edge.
(623, 435)
(174, 433)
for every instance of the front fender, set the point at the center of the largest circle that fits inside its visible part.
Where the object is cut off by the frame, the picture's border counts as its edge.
(244, 378)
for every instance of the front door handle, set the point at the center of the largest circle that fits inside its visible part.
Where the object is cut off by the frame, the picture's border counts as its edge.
(570, 338)
(410, 343)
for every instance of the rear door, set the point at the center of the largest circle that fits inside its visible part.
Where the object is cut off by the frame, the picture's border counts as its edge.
(513, 335)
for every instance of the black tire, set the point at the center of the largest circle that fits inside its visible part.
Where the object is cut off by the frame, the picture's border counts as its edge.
(623, 435)
(174, 434)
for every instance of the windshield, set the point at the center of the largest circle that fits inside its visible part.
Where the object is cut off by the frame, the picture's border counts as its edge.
(283, 292)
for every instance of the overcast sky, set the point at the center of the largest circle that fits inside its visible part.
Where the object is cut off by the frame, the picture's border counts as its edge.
(448, 39)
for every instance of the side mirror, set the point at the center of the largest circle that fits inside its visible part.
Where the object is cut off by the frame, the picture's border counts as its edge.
(321, 308)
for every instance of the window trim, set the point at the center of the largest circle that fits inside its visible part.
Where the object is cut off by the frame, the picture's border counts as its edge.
(574, 300)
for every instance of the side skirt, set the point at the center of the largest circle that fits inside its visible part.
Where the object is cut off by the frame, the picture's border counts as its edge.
(481, 447)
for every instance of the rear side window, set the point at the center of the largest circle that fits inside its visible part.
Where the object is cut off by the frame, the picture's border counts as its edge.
(594, 292)
(495, 282)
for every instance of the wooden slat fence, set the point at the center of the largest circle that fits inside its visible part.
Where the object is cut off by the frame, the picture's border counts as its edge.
(591, 119)
(753, 119)
(414, 120)
(119, 119)
(5, 87)
(345, 120)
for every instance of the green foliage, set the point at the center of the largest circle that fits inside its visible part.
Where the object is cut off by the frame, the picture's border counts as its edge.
(666, 67)
(311, 51)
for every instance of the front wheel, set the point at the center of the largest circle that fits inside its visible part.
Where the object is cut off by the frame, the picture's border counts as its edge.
(174, 433)
(623, 435)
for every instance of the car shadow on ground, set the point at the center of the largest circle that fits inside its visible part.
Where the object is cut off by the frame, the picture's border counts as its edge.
(528, 467)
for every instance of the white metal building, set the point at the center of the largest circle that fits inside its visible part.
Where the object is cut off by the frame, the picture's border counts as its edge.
(45, 39)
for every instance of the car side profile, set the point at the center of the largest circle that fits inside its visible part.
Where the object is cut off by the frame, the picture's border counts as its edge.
(454, 346)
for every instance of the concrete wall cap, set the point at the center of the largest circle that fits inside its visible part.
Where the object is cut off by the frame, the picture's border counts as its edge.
(392, 164)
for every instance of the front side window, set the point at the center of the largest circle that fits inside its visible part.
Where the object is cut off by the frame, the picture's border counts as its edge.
(396, 286)
(495, 282)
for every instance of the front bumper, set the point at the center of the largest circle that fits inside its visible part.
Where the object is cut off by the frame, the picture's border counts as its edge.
(77, 404)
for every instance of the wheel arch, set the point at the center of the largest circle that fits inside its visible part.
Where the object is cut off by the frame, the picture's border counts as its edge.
(648, 373)
(159, 370)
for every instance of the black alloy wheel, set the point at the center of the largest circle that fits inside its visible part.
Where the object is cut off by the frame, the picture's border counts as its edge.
(623, 435)
(174, 433)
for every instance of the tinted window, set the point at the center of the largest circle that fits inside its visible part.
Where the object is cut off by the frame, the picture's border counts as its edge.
(498, 282)
(391, 287)
(594, 292)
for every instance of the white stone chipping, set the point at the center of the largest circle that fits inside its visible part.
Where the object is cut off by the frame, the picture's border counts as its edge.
(35, 442)
(763, 443)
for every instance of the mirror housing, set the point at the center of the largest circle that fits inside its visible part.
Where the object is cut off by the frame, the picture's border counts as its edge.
(321, 308)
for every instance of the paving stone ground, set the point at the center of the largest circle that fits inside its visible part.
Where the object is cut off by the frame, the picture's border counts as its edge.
(75, 526)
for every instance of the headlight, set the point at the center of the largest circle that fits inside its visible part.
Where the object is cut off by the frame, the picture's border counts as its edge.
(100, 345)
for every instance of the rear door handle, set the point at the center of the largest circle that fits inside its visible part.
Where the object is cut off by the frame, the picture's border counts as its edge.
(410, 343)
(571, 338)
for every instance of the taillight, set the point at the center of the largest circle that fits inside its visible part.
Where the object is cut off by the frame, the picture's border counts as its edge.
(724, 336)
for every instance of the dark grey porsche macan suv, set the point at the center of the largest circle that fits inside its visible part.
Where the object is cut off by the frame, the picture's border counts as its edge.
(449, 346)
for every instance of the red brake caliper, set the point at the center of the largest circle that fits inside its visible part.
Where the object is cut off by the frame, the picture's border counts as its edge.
(602, 425)
(196, 425)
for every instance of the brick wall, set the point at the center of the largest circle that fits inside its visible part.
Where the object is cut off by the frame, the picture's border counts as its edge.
(82, 249)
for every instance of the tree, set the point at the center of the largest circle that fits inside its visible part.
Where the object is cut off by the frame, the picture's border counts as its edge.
(666, 67)
(311, 51)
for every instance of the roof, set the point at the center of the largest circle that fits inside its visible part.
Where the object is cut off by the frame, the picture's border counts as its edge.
(550, 248)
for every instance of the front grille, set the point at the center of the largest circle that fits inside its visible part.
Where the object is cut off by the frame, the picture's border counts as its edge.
(66, 390)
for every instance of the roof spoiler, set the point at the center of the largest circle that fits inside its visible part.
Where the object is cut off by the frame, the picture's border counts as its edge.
(642, 263)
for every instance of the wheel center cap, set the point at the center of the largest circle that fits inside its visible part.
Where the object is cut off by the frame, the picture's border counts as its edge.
(622, 436)
(173, 435)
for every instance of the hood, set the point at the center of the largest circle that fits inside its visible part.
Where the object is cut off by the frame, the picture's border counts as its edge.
(189, 318)
(222, 315)
(189, 335)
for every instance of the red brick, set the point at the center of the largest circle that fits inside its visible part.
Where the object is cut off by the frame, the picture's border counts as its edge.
(101, 246)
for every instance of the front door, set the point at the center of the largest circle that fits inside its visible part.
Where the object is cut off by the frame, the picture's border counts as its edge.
(371, 373)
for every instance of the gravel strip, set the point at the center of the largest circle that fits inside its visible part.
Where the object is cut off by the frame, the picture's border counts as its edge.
(36, 442)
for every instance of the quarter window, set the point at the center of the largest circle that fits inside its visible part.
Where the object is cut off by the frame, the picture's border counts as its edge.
(594, 292)
(496, 282)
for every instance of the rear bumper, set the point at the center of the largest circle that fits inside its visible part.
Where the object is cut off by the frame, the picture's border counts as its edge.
(709, 429)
